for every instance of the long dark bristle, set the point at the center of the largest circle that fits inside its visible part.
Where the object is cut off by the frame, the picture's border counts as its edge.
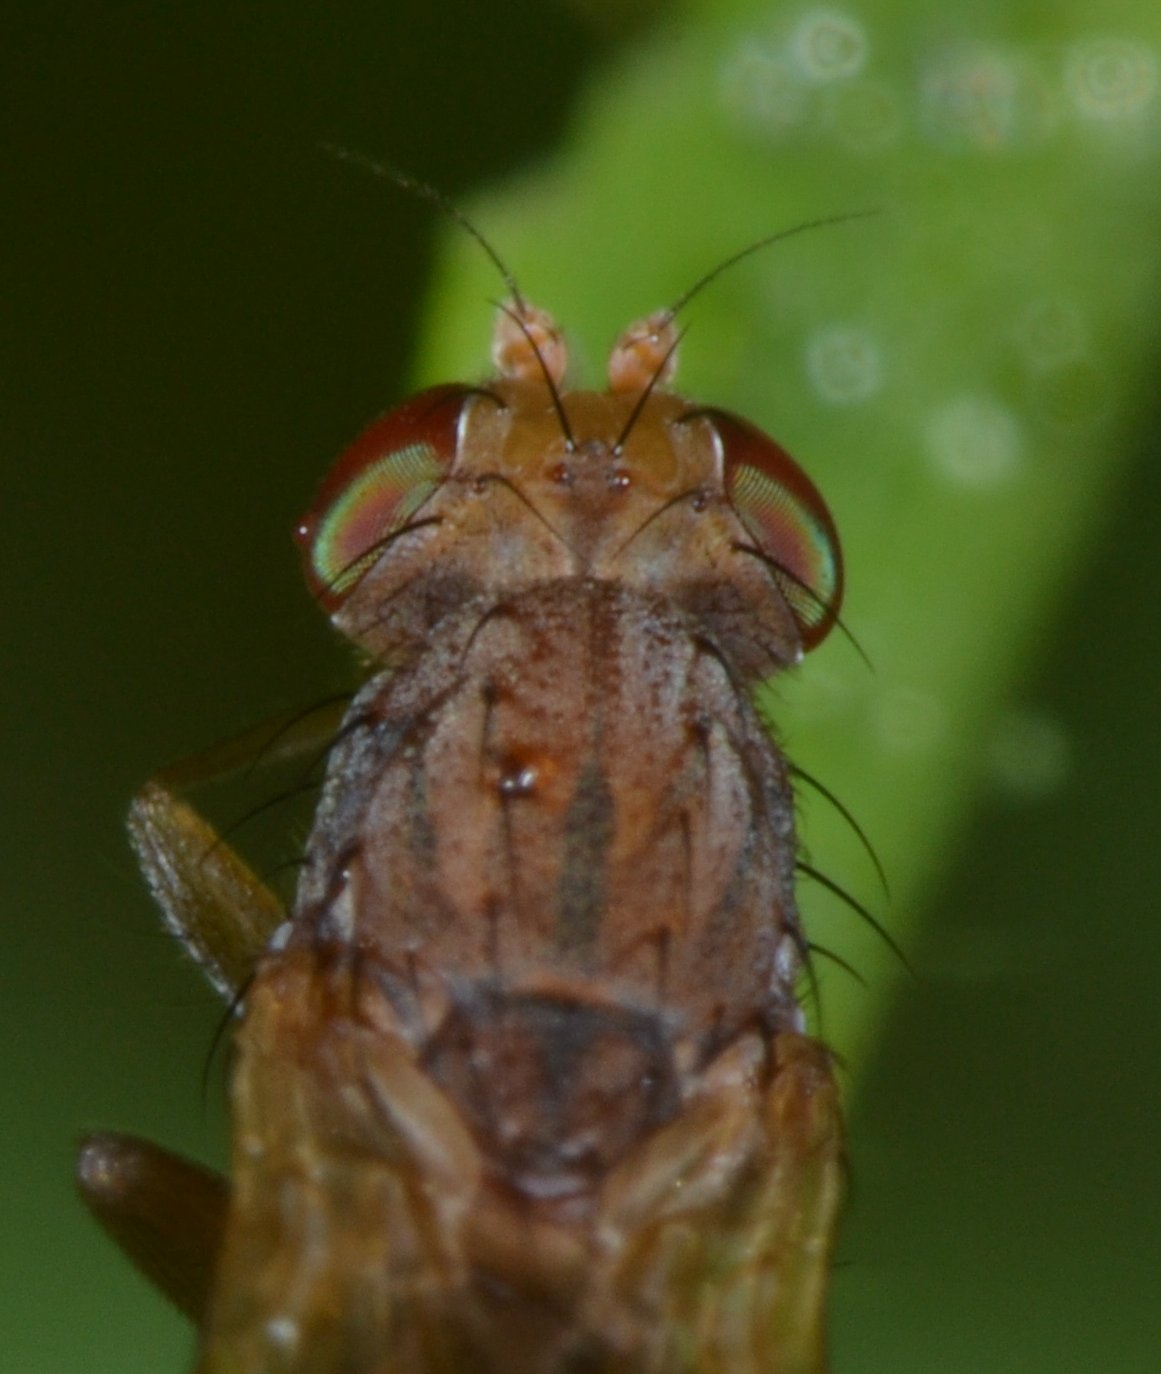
(827, 795)
(712, 275)
(553, 390)
(809, 871)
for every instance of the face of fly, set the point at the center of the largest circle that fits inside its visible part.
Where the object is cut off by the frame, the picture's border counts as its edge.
(522, 481)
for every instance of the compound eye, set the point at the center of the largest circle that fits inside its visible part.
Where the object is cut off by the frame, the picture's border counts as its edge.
(376, 488)
(788, 521)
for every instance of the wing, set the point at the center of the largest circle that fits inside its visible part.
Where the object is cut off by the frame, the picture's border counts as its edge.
(370, 1234)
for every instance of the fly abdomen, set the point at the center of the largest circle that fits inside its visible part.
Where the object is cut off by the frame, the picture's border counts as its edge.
(555, 1088)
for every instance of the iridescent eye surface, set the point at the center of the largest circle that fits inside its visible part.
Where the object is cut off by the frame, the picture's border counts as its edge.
(788, 521)
(375, 489)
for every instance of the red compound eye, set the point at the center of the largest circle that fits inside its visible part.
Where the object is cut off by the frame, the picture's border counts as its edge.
(375, 487)
(788, 521)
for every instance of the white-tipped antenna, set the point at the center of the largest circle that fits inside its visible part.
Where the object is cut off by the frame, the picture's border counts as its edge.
(532, 328)
(645, 356)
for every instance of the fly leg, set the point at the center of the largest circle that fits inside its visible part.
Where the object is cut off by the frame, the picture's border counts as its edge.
(210, 898)
(166, 1213)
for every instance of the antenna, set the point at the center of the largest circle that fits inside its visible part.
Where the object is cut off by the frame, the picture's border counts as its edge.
(712, 275)
(421, 190)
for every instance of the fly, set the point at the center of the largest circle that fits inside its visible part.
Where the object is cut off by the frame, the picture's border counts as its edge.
(523, 1084)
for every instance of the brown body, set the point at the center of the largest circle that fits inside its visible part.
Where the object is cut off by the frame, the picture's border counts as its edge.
(521, 1083)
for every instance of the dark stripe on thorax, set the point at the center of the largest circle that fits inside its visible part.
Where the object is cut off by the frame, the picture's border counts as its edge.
(589, 828)
(590, 823)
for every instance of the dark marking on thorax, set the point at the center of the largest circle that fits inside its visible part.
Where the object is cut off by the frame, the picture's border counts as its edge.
(591, 822)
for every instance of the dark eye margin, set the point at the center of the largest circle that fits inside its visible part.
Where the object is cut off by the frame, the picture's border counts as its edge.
(376, 485)
(786, 517)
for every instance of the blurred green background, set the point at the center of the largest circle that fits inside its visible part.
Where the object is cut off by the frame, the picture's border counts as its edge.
(202, 309)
